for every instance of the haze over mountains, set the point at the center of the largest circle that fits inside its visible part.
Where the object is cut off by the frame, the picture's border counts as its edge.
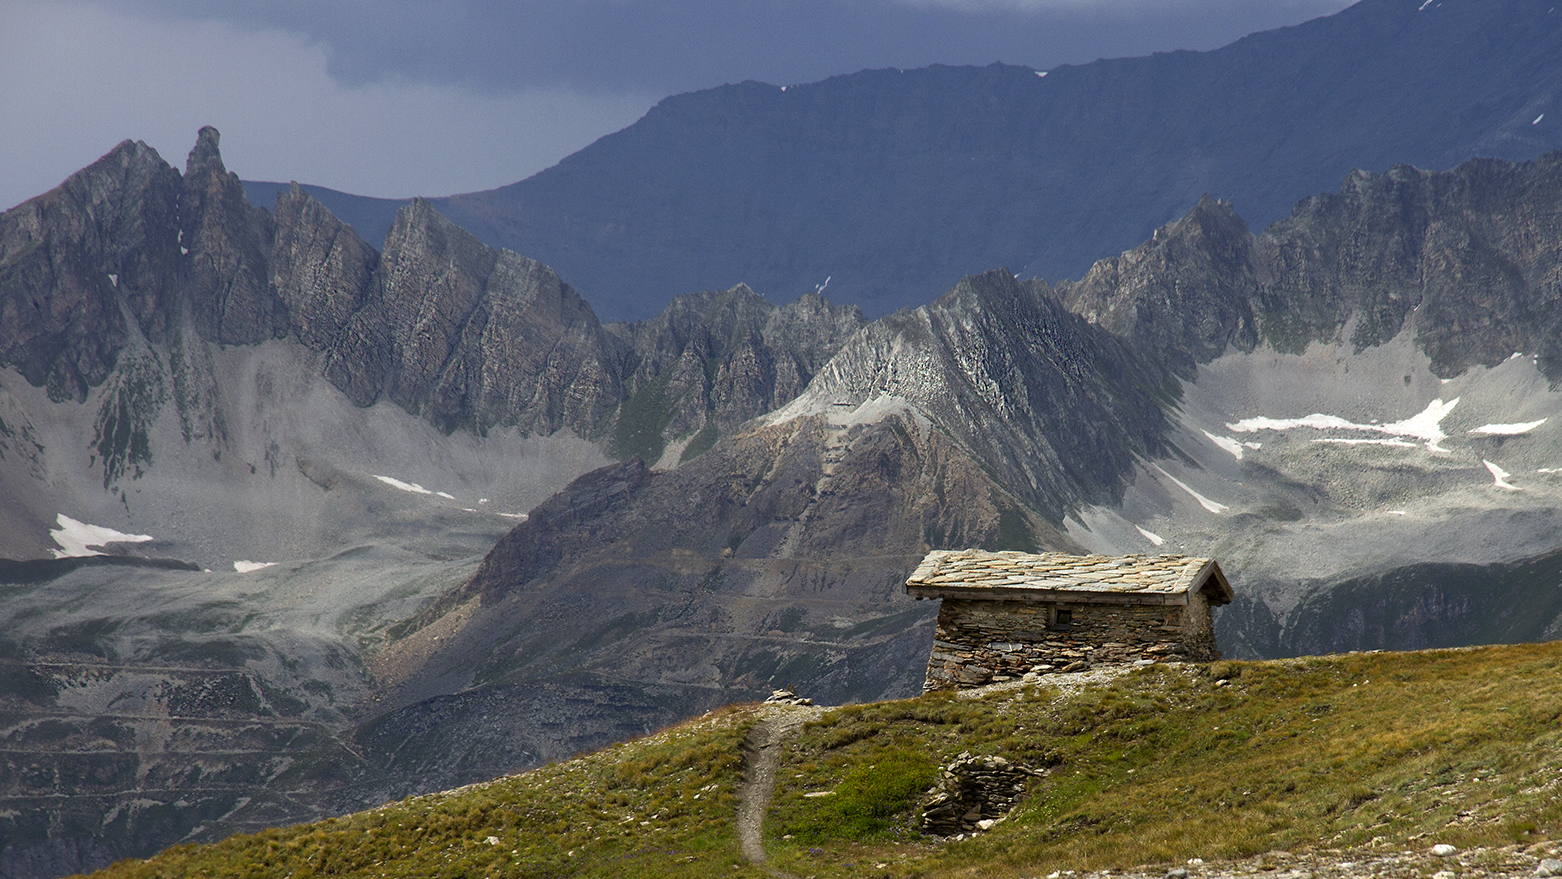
(893, 184)
(432, 520)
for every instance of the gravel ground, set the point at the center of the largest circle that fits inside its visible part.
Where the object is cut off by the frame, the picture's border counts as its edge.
(1477, 863)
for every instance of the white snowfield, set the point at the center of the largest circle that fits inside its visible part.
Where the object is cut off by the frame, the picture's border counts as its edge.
(1213, 506)
(415, 488)
(1500, 476)
(1151, 535)
(1425, 426)
(76, 539)
(1235, 447)
(246, 567)
(1506, 429)
(404, 486)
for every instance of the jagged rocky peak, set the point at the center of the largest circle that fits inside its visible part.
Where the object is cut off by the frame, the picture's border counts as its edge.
(70, 257)
(227, 243)
(991, 363)
(321, 268)
(1467, 257)
(1184, 293)
(1463, 258)
(472, 337)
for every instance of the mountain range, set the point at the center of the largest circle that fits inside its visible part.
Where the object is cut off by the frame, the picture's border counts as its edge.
(890, 185)
(293, 525)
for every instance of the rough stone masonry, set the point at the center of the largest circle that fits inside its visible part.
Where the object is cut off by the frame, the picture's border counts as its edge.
(1006, 614)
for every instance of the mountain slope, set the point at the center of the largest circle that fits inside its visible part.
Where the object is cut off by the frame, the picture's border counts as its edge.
(1340, 766)
(1329, 407)
(893, 184)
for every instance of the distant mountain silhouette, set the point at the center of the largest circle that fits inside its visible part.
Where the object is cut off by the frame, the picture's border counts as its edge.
(893, 184)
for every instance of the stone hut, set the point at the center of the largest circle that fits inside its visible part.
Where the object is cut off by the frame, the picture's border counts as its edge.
(1005, 614)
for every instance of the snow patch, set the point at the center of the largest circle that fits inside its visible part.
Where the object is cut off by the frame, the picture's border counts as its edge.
(1538, 118)
(1341, 441)
(1227, 443)
(448, 497)
(1423, 6)
(76, 539)
(1152, 536)
(245, 567)
(1041, 73)
(114, 279)
(1507, 429)
(520, 516)
(403, 486)
(1425, 425)
(1397, 513)
(1213, 506)
(1500, 476)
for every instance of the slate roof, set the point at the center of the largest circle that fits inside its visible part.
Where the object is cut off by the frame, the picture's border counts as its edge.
(1057, 576)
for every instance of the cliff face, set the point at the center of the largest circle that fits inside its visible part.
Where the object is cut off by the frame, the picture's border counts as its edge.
(1467, 259)
(468, 337)
(71, 257)
(992, 363)
(226, 244)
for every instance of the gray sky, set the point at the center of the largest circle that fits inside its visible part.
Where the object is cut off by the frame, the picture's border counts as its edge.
(410, 97)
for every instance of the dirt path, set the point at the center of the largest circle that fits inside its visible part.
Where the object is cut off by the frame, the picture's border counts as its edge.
(761, 757)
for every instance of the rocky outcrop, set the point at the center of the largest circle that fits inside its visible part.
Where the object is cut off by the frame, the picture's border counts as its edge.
(322, 270)
(1184, 294)
(466, 336)
(226, 244)
(1471, 258)
(714, 360)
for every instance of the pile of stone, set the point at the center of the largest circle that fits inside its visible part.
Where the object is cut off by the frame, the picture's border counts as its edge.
(787, 696)
(973, 794)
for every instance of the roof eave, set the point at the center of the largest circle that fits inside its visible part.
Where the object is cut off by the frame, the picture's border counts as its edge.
(1031, 594)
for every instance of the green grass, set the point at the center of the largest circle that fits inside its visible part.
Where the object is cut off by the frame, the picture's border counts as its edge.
(1380, 752)
(642, 419)
(1166, 764)
(661, 806)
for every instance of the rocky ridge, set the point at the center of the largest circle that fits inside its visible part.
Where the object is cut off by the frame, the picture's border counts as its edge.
(1008, 414)
(119, 283)
(185, 376)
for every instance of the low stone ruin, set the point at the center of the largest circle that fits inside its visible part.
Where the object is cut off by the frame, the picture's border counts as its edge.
(973, 794)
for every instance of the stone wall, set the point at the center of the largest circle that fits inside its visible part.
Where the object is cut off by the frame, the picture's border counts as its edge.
(973, 794)
(981, 642)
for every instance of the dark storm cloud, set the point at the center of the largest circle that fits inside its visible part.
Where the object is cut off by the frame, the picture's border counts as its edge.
(618, 45)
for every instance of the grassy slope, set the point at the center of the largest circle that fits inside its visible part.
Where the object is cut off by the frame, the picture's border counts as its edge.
(1387, 751)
